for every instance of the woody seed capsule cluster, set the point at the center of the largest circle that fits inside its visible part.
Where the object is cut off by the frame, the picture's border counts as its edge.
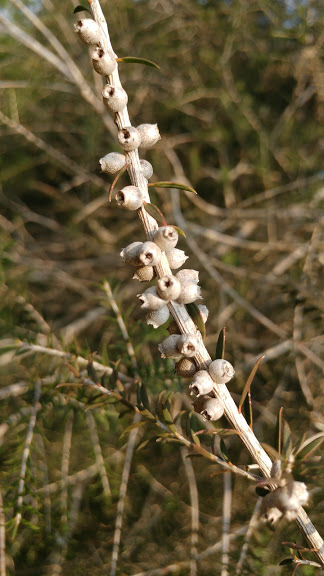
(103, 62)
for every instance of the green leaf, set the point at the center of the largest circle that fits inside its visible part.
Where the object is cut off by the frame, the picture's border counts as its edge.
(168, 420)
(219, 431)
(81, 9)
(144, 397)
(172, 185)
(271, 451)
(286, 561)
(131, 60)
(298, 547)
(220, 346)
(147, 414)
(224, 450)
(310, 445)
(114, 182)
(155, 212)
(132, 427)
(286, 440)
(278, 431)
(196, 316)
(181, 232)
(249, 381)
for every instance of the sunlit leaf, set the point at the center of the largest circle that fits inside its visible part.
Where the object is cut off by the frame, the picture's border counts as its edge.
(132, 427)
(180, 232)
(172, 185)
(168, 420)
(249, 381)
(155, 212)
(134, 60)
(310, 445)
(220, 346)
(299, 547)
(195, 315)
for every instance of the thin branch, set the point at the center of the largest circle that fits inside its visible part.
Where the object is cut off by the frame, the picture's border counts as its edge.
(2, 539)
(252, 526)
(98, 453)
(227, 504)
(190, 473)
(26, 452)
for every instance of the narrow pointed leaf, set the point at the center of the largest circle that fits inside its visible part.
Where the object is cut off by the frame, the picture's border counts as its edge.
(286, 561)
(147, 414)
(224, 450)
(144, 397)
(286, 439)
(220, 346)
(249, 381)
(133, 60)
(155, 212)
(172, 185)
(271, 451)
(278, 432)
(132, 427)
(181, 232)
(81, 9)
(295, 546)
(311, 444)
(219, 431)
(168, 420)
(196, 316)
(114, 182)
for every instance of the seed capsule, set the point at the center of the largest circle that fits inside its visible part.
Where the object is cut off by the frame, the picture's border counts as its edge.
(88, 31)
(188, 345)
(129, 138)
(221, 371)
(150, 135)
(176, 258)
(284, 500)
(112, 162)
(147, 169)
(130, 198)
(144, 274)
(168, 347)
(168, 287)
(114, 97)
(103, 62)
(190, 292)
(150, 299)
(150, 254)
(166, 237)
(188, 276)
(158, 317)
(130, 254)
(186, 367)
(209, 408)
(201, 383)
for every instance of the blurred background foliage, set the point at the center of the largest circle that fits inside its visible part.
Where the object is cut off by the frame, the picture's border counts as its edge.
(239, 101)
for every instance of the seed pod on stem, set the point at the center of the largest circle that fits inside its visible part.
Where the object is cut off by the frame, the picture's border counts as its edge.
(114, 97)
(129, 138)
(103, 62)
(150, 299)
(147, 169)
(88, 31)
(150, 254)
(188, 345)
(130, 198)
(201, 383)
(158, 317)
(284, 500)
(221, 371)
(176, 258)
(209, 408)
(188, 276)
(144, 274)
(190, 292)
(168, 287)
(186, 367)
(112, 162)
(150, 135)
(130, 254)
(166, 237)
(168, 347)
